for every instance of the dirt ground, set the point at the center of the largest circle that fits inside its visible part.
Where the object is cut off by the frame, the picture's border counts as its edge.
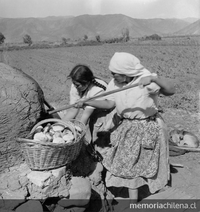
(187, 178)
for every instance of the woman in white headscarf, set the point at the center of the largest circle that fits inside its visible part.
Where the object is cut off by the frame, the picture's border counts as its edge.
(139, 149)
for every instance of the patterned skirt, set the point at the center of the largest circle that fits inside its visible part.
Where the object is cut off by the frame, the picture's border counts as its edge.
(135, 149)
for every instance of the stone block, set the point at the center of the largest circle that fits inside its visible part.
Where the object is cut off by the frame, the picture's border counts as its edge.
(13, 184)
(48, 190)
(23, 180)
(30, 206)
(3, 183)
(58, 173)
(79, 193)
(9, 205)
(19, 194)
(24, 169)
(59, 208)
(63, 181)
(13, 199)
(40, 178)
(80, 188)
(75, 209)
(38, 195)
(64, 193)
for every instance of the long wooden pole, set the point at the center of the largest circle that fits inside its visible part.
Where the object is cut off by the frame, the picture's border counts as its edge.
(92, 98)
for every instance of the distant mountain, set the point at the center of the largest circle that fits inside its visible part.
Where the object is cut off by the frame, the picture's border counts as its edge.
(106, 26)
(192, 29)
(166, 26)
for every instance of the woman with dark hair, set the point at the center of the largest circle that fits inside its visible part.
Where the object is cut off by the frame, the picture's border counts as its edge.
(86, 85)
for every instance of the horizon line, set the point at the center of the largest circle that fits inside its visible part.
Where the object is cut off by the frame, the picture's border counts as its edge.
(96, 15)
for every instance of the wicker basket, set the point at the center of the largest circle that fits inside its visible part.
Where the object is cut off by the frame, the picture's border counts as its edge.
(79, 136)
(47, 155)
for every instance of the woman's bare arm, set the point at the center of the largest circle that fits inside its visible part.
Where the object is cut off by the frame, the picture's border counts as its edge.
(71, 114)
(167, 88)
(86, 115)
(101, 104)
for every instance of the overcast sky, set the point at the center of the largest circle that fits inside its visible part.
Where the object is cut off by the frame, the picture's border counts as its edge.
(133, 8)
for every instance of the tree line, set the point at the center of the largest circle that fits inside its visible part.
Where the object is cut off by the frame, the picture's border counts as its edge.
(124, 37)
(27, 39)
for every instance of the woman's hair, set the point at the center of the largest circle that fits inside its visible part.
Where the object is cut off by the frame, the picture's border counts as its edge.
(83, 75)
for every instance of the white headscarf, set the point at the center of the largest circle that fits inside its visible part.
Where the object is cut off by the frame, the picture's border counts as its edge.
(127, 64)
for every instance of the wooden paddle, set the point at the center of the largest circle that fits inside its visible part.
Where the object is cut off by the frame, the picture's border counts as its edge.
(92, 98)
